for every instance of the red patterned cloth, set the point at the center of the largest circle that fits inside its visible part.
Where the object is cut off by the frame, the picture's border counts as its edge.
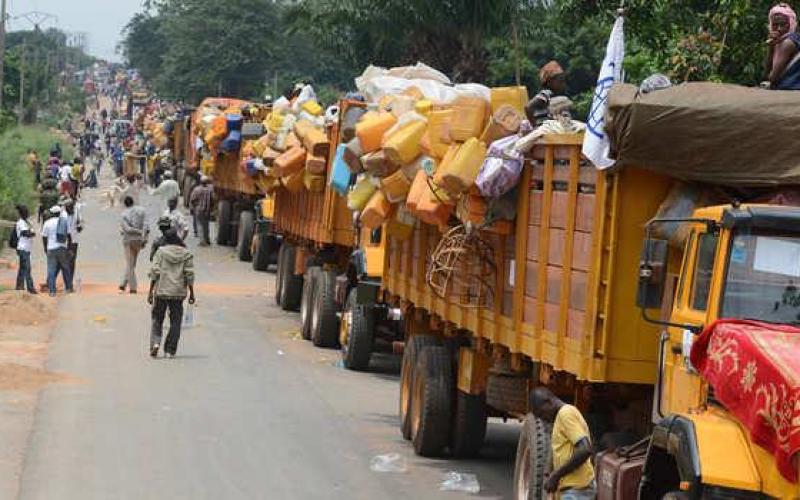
(754, 369)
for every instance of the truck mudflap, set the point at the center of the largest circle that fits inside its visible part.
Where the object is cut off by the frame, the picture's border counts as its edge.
(703, 455)
(672, 462)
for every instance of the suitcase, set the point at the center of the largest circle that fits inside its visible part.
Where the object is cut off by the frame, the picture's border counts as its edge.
(620, 471)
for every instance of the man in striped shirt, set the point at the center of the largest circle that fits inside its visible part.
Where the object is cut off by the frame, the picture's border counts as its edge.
(202, 203)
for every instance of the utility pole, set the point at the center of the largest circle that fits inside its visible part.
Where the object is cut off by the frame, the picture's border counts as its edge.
(22, 81)
(2, 47)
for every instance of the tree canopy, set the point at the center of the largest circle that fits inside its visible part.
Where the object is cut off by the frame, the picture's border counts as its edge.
(193, 48)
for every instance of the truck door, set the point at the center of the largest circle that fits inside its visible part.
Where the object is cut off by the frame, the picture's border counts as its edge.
(680, 384)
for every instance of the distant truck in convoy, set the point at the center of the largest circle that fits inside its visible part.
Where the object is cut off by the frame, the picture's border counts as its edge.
(241, 214)
(585, 300)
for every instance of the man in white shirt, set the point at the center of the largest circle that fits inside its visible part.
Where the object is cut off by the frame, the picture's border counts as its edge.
(25, 236)
(56, 235)
(168, 188)
(177, 219)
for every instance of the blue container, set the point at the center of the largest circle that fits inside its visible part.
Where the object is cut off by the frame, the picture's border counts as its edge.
(232, 142)
(340, 174)
(234, 122)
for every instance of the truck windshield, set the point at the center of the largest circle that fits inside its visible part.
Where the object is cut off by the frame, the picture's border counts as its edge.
(763, 277)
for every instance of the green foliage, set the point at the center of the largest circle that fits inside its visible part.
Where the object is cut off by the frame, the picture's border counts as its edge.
(16, 181)
(192, 48)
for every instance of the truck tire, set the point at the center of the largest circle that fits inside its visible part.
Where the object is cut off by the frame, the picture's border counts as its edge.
(292, 284)
(360, 324)
(307, 302)
(469, 425)
(247, 220)
(432, 401)
(413, 347)
(324, 322)
(261, 251)
(533, 459)
(224, 212)
(279, 276)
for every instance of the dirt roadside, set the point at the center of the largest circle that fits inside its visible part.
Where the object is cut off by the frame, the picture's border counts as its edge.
(26, 322)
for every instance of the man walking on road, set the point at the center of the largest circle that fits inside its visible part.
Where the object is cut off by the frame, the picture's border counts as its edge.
(202, 202)
(24, 237)
(171, 275)
(168, 189)
(134, 230)
(164, 225)
(176, 218)
(75, 224)
(56, 233)
(572, 475)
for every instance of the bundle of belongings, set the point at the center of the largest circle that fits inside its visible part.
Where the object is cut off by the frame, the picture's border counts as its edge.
(423, 148)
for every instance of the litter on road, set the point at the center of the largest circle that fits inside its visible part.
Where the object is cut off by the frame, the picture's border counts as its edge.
(391, 462)
(460, 481)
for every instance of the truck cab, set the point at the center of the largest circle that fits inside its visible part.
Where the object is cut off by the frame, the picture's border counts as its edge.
(739, 263)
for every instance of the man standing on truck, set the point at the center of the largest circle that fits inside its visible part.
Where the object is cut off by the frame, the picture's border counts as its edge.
(573, 475)
(202, 202)
(553, 81)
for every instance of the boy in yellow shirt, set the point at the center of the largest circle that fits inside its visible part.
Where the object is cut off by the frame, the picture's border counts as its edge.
(572, 477)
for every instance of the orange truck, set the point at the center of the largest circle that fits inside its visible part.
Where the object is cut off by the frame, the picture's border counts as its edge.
(321, 258)
(584, 298)
(240, 212)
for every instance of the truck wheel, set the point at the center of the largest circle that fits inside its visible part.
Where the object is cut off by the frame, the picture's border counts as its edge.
(359, 321)
(307, 302)
(279, 276)
(414, 346)
(246, 227)
(324, 322)
(533, 459)
(292, 284)
(224, 211)
(432, 401)
(469, 425)
(261, 251)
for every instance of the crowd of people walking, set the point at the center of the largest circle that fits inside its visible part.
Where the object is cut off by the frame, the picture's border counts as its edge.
(60, 184)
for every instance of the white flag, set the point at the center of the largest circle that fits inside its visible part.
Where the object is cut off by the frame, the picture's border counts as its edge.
(595, 142)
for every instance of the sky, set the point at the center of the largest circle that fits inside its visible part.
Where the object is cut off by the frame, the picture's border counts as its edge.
(101, 20)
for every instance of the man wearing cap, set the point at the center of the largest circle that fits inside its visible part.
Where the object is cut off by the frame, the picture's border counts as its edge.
(168, 188)
(134, 231)
(165, 223)
(553, 82)
(202, 202)
(55, 233)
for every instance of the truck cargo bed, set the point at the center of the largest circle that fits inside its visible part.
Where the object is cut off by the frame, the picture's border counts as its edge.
(566, 278)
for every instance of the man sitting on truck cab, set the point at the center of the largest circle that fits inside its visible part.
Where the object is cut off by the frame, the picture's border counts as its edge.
(572, 476)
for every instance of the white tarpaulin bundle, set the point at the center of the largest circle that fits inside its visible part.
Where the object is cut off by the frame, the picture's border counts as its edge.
(377, 82)
(595, 142)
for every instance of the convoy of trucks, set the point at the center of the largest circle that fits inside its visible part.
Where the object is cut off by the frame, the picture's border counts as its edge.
(579, 296)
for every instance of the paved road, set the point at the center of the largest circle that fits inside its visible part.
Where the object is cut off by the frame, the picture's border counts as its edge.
(246, 410)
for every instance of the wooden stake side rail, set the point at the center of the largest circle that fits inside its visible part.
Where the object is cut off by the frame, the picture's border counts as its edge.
(565, 275)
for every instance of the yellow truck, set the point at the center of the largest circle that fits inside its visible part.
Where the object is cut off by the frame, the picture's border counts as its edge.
(327, 265)
(240, 223)
(582, 298)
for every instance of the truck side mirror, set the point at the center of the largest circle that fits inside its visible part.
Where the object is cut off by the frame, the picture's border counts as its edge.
(652, 273)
